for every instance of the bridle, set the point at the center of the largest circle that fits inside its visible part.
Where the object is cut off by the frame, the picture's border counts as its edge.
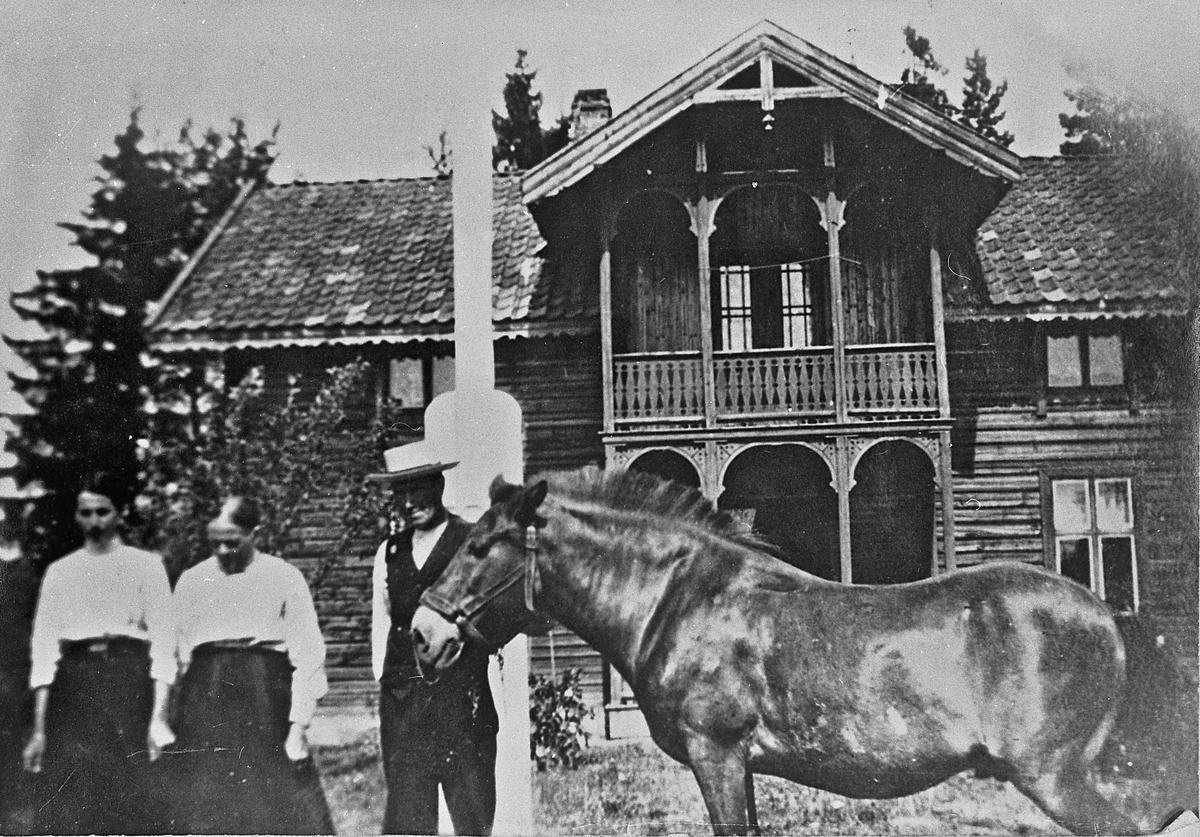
(469, 615)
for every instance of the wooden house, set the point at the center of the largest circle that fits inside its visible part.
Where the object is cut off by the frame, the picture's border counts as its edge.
(892, 347)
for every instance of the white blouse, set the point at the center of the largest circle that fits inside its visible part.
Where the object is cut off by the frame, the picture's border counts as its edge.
(269, 602)
(84, 595)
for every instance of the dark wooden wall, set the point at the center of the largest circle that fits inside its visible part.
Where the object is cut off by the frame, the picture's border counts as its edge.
(557, 383)
(1008, 435)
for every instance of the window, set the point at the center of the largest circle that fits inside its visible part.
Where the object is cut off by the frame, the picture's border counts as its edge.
(735, 308)
(797, 306)
(768, 307)
(413, 382)
(1084, 358)
(1093, 538)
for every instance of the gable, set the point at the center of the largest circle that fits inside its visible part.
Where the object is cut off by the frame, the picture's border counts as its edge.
(767, 64)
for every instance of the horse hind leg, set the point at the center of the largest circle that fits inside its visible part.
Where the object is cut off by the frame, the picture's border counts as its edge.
(1068, 796)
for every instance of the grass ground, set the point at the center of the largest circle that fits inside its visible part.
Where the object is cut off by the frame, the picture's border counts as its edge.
(631, 788)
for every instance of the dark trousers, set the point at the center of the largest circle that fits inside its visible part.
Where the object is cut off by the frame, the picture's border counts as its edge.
(96, 777)
(232, 773)
(421, 750)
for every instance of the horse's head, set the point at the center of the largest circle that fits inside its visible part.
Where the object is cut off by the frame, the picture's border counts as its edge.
(485, 594)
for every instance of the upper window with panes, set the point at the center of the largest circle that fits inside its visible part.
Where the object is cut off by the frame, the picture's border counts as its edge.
(771, 307)
(1085, 362)
(1093, 536)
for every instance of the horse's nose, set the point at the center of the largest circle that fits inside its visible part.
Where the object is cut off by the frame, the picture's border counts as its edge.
(420, 643)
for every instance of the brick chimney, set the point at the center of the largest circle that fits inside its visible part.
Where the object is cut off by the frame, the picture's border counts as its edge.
(589, 111)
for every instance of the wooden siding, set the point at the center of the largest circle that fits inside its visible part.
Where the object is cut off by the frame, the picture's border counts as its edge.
(557, 383)
(1001, 454)
(656, 295)
(1001, 446)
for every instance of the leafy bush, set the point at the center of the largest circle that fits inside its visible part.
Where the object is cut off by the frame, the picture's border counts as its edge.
(289, 453)
(556, 715)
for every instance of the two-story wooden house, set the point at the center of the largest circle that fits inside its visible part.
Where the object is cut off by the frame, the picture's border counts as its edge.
(890, 346)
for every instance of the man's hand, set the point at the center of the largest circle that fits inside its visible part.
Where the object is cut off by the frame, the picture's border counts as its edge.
(31, 757)
(158, 736)
(296, 745)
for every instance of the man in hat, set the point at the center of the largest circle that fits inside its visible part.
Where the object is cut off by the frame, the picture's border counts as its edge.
(431, 734)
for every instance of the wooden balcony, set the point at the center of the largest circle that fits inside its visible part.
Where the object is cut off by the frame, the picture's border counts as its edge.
(772, 384)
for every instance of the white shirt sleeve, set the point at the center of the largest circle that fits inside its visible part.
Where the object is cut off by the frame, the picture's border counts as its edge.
(48, 625)
(306, 649)
(160, 620)
(182, 603)
(381, 611)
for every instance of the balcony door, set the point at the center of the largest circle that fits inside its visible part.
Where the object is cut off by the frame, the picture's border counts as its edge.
(770, 277)
(770, 307)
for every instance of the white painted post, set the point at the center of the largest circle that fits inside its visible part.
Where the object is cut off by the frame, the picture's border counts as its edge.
(479, 426)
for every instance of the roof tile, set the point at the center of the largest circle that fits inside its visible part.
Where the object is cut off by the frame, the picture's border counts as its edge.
(1077, 231)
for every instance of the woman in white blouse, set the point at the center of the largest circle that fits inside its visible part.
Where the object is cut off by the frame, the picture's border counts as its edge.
(102, 664)
(254, 666)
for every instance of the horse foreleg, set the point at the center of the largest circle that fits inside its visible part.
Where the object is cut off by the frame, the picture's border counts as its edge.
(1069, 798)
(721, 774)
(751, 806)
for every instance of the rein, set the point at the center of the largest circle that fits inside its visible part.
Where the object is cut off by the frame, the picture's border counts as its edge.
(466, 616)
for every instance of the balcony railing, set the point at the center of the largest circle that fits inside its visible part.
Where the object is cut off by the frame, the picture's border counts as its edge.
(658, 387)
(775, 383)
(891, 378)
(784, 381)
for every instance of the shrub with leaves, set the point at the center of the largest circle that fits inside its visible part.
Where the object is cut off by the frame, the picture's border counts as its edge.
(289, 455)
(556, 715)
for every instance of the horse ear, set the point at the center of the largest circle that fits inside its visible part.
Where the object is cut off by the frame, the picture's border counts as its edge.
(531, 498)
(499, 491)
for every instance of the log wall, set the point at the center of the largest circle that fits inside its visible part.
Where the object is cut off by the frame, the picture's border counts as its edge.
(557, 383)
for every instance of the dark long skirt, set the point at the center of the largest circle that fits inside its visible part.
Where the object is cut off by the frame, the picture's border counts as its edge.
(233, 775)
(96, 777)
(18, 596)
(15, 808)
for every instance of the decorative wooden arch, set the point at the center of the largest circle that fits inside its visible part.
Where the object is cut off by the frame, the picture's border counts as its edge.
(859, 445)
(727, 452)
(692, 454)
(618, 203)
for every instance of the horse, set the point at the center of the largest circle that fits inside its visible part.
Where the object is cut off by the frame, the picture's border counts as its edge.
(743, 664)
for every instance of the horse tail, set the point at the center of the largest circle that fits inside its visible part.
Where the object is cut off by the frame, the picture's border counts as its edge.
(1155, 734)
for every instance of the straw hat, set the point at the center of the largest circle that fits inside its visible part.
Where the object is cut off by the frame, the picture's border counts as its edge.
(408, 462)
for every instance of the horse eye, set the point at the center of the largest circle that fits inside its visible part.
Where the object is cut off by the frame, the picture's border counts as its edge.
(479, 546)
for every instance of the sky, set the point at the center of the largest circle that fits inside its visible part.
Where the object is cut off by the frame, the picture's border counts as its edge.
(359, 88)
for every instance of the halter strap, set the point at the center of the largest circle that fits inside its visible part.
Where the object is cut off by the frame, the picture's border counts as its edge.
(533, 581)
(464, 615)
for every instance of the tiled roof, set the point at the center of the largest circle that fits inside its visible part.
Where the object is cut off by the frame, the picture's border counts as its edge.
(371, 261)
(1078, 236)
(356, 262)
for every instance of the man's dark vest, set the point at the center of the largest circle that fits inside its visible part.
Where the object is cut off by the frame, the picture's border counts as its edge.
(405, 584)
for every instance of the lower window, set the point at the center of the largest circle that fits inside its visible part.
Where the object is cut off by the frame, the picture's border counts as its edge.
(1094, 540)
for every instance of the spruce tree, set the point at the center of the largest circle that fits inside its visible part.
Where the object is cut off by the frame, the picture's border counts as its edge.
(981, 102)
(1109, 123)
(521, 142)
(916, 81)
(980, 109)
(92, 371)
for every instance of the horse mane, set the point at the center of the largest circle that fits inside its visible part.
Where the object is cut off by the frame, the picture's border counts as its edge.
(628, 490)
